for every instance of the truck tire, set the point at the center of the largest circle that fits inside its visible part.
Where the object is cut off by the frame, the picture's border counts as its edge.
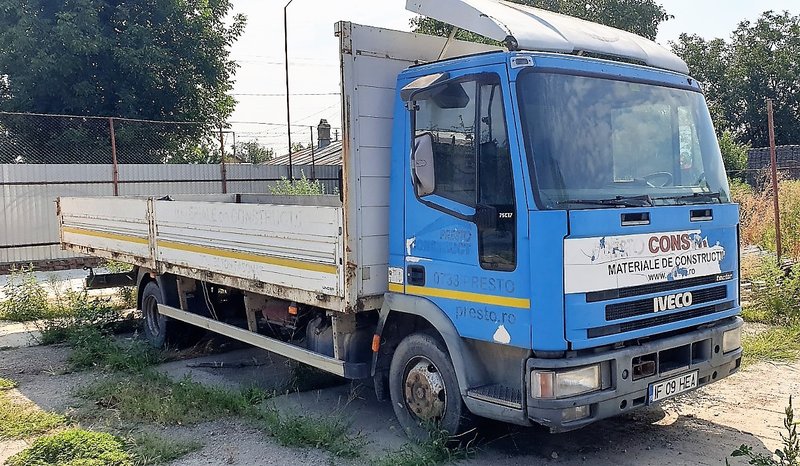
(160, 330)
(424, 389)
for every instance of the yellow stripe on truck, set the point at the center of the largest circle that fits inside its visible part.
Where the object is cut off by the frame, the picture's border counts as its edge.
(245, 256)
(493, 300)
(106, 235)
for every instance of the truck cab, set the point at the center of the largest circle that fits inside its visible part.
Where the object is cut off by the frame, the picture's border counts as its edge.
(571, 217)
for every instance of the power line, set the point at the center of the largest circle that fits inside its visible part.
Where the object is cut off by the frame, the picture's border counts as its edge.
(244, 94)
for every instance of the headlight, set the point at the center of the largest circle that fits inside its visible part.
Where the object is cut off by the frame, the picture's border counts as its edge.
(550, 384)
(732, 340)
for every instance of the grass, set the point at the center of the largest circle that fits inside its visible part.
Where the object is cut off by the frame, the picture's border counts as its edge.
(23, 419)
(155, 398)
(438, 449)
(774, 344)
(6, 384)
(150, 397)
(74, 447)
(149, 449)
(91, 348)
(329, 433)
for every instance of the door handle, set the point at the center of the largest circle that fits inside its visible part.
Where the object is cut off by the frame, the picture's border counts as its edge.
(415, 275)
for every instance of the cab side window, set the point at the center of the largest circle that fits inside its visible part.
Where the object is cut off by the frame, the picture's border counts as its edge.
(466, 128)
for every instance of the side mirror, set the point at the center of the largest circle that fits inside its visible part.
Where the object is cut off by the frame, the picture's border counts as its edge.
(422, 165)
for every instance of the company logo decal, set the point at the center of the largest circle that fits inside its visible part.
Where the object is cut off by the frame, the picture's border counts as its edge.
(673, 301)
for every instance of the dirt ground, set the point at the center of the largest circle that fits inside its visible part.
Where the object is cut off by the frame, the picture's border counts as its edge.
(701, 428)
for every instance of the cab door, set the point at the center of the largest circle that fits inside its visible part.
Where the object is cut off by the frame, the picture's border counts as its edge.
(466, 225)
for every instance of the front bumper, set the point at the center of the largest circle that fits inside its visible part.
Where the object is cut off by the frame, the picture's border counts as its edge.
(699, 350)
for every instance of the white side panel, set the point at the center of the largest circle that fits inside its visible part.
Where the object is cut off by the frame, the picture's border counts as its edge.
(372, 58)
(293, 246)
(118, 225)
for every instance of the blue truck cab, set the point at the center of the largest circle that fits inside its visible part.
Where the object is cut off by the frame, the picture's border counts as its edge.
(566, 224)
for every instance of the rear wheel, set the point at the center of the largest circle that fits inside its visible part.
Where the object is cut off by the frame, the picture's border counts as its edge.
(160, 330)
(424, 388)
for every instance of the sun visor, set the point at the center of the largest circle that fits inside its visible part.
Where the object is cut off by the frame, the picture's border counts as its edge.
(522, 27)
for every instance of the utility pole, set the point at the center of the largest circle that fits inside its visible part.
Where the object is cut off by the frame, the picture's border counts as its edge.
(288, 106)
(774, 162)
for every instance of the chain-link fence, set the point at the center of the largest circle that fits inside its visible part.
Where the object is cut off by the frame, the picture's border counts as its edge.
(37, 139)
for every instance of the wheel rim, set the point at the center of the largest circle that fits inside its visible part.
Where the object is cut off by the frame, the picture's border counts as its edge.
(151, 315)
(424, 390)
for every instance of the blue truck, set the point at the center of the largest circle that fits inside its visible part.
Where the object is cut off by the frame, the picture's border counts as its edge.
(537, 230)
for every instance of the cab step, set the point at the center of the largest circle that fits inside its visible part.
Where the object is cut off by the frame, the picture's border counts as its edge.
(497, 394)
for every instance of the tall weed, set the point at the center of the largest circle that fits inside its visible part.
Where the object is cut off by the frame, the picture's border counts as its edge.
(758, 218)
(774, 296)
(25, 299)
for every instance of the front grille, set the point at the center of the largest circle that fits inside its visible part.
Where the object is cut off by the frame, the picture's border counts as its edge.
(629, 292)
(646, 306)
(661, 319)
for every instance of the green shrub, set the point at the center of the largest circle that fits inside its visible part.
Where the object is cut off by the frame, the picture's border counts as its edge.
(774, 297)
(734, 155)
(74, 311)
(25, 299)
(301, 187)
(148, 449)
(439, 448)
(74, 447)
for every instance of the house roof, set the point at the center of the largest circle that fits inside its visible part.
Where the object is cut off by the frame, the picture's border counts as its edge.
(328, 155)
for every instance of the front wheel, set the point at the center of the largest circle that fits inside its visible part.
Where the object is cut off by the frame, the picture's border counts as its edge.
(424, 389)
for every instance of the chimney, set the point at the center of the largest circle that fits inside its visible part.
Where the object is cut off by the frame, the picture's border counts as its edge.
(324, 133)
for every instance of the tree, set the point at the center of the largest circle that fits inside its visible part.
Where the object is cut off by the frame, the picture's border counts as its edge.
(642, 17)
(166, 60)
(759, 62)
(253, 152)
(734, 155)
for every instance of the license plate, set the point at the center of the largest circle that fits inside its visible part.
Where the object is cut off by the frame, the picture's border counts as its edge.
(674, 386)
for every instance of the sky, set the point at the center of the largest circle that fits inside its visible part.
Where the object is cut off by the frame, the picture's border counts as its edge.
(260, 81)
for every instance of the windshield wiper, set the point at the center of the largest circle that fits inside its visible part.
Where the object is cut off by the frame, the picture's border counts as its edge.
(707, 198)
(617, 201)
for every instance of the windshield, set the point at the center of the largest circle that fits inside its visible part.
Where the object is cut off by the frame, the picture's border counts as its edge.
(595, 143)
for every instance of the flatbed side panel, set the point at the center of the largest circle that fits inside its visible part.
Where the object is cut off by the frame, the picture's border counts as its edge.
(298, 247)
(371, 60)
(115, 225)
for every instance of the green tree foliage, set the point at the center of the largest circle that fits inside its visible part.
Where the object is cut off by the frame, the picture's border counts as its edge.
(253, 152)
(165, 60)
(642, 17)
(734, 154)
(758, 62)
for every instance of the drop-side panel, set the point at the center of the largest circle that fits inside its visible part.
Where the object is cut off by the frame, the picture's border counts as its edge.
(293, 246)
(108, 225)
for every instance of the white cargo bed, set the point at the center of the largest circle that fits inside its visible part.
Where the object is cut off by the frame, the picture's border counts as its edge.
(291, 251)
(319, 250)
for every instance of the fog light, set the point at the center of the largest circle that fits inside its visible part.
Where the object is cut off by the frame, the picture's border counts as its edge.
(732, 340)
(575, 414)
(550, 384)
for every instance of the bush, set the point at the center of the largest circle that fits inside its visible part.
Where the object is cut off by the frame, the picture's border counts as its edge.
(301, 187)
(74, 447)
(734, 155)
(25, 299)
(775, 294)
(72, 312)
